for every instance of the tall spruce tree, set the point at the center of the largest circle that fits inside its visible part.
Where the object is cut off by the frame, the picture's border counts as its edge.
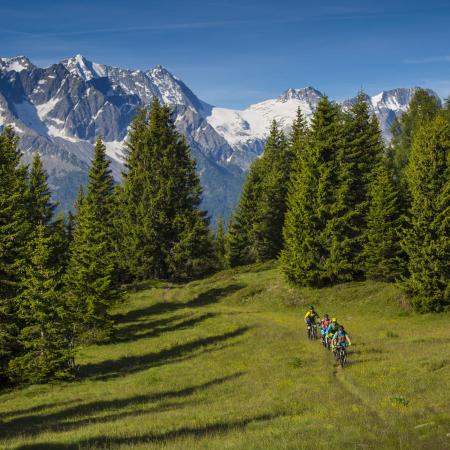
(422, 108)
(40, 204)
(255, 232)
(45, 335)
(165, 234)
(427, 240)
(240, 230)
(90, 278)
(298, 141)
(312, 200)
(14, 237)
(382, 253)
(269, 219)
(41, 211)
(292, 225)
(361, 150)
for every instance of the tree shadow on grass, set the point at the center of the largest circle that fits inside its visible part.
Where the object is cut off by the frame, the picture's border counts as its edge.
(94, 412)
(154, 329)
(132, 364)
(156, 438)
(33, 409)
(203, 299)
(146, 322)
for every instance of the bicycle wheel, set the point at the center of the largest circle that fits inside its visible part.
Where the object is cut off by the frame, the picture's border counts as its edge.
(343, 357)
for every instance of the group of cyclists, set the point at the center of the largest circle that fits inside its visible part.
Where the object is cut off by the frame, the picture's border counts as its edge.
(334, 336)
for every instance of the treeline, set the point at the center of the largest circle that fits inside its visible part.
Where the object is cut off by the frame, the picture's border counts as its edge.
(335, 204)
(61, 276)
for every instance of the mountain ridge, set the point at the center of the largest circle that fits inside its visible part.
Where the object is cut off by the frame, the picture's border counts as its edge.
(61, 109)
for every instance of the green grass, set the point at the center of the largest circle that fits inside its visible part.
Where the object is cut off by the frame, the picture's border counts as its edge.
(224, 363)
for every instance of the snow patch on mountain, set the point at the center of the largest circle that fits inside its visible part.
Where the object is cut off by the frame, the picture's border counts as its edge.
(44, 108)
(16, 64)
(28, 115)
(115, 150)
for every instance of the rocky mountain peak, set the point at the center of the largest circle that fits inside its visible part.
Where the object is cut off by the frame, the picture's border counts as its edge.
(16, 64)
(79, 66)
(306, 93)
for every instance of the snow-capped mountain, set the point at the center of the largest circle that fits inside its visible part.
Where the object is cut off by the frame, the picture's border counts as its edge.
(60, 110)
(246, 130)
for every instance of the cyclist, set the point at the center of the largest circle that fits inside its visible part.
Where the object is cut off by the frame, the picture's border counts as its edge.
(323, 326)
(340, 338)
(331, 329)
(310, 317)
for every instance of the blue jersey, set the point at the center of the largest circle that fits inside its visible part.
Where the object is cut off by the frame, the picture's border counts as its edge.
(332, 328)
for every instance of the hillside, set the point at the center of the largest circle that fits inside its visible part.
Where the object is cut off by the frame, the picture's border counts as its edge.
(224, 363)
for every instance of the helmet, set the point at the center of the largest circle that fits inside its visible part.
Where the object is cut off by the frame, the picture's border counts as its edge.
(340, 328)
(333, 319)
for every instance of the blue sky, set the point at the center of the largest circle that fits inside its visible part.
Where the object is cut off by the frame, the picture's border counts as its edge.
(232, 53)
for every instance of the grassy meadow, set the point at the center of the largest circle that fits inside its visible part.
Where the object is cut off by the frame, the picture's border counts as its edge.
(224, 363)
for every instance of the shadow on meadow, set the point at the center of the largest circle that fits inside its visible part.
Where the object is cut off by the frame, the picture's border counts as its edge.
(154, 438)
(34, 409)
(131, 364)
(206, 298)
(105, 410)
(156, 328)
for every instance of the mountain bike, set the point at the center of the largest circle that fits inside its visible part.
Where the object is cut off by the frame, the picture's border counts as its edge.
(326, 341)
(312, 332)
(341, 355)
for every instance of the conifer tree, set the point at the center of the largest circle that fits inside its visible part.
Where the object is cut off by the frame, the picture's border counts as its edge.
(382, 254)
(269, 219)
(312, 200)
(422, 108)
(100, 186)
(256, 228)
(165, 234)
(240, 230)
(361, 150)
(298, 140)
(14, 238)
(291, 228)
(90, 278)
(427, 241)
(40, 205)
(45, 335)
